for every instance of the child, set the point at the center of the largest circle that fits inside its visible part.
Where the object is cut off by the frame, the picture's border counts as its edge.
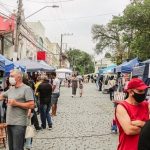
(80, 87)
(114, 126)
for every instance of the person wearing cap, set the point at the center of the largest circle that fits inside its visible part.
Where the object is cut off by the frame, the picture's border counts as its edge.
(131, 115)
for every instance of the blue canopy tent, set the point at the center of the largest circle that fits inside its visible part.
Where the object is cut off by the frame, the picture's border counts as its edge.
(109, 69)
(143, 71)
(146, 61)
(118, 68)
(101, 71)
(21, 67)
(2, 65)
(34, 66)
(127, 67)
(9, 65)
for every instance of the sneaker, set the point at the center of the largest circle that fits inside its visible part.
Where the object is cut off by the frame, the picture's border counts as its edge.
(50, 127)
(39, 128)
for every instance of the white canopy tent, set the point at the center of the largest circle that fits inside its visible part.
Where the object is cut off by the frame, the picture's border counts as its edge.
(64, 70)
(63, 73)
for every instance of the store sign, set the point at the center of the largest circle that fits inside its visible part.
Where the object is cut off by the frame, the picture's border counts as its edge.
(6, 24)
(41, 55)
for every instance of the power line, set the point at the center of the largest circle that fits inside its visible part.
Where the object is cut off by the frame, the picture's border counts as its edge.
(48, 2)
(2, 5)
(84, 17)
(8, 5)
(8, 17)
(35, 43)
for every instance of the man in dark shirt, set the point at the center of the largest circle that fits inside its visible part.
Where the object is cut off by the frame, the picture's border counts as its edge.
(45, 92)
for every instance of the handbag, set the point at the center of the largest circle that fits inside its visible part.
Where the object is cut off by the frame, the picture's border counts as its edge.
(118, 96)
(29, 131)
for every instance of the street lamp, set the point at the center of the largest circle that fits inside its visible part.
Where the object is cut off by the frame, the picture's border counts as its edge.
(53, 6)
(61, 42)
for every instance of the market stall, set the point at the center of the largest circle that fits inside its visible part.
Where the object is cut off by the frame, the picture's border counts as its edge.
(34, 66)
(127, 67)
(63, 73)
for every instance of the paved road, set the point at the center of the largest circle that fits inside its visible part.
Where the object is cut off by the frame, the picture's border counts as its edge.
(81, 123)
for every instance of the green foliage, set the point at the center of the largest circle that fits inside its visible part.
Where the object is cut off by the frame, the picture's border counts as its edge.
(80, 61)
(128, 35)
(107, 55)
(110, 36)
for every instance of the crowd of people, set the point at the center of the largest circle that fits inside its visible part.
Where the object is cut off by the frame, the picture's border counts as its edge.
(25, 98)
(22, 97)
(75, 82)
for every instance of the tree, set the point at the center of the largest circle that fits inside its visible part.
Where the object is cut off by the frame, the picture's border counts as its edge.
(137, 18)
(80, 61)
(128, 35)
(110, 36)
(107, 55)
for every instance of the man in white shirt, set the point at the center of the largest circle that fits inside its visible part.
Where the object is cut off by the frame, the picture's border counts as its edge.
(55, 93)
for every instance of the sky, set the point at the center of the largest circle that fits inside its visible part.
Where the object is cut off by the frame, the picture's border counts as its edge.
(74, 17)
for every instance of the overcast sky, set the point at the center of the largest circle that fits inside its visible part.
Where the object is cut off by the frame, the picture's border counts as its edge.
(72, 16)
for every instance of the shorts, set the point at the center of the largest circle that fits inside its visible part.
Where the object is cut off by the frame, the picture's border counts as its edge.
(54, 98)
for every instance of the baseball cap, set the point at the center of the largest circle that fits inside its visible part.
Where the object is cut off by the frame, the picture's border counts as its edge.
(137, 84)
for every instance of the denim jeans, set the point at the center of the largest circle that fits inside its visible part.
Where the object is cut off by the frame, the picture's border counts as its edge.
(45, 115)
(28, 143)
(16, 137)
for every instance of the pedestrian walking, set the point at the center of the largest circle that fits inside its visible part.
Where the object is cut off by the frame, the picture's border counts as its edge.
(112, 86)
(81, 87)
(74, 81)
(69, 80)
(131, 115)
(55, 93)
(100, 82)
(20, 99)
(45, 91)
(88, 77)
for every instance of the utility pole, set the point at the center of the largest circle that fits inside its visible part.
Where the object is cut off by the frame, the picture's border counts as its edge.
(60, 55)
(61, 43)
(2, 44)
(18, 24)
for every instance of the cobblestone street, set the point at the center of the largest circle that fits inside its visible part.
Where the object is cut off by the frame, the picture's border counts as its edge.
(80, 124)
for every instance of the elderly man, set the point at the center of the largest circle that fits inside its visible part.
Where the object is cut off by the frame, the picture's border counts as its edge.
(131, 115)
(20, 99)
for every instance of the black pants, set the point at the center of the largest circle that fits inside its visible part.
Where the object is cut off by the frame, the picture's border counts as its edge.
(100, 86)
(34, 120)
(111, 92)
